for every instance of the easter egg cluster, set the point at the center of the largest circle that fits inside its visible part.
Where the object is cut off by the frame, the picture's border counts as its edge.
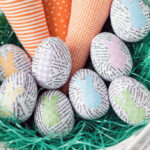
(33, 87)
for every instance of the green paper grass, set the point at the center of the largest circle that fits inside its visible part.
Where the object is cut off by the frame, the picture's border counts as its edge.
(101, 133)
(141, 58)
(147, 2)
(95, 134)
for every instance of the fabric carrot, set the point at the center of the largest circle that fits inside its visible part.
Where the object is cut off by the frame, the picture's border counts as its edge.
(57, 15)
(86, 21)
(28, 20)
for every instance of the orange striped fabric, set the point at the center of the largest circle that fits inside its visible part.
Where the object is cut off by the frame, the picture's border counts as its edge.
(28, 20)
(86, 21)
(58, 15)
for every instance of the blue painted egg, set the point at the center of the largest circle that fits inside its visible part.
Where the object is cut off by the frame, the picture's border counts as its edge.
(88, 94)
(130, 19)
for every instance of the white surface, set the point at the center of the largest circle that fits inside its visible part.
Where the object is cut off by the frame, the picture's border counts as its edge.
(140, 141)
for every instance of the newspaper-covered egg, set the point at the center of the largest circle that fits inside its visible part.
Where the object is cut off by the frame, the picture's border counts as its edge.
(130, 100)
(130, 19)
(51, 64)
(88, 94)
(54, 115)
(12, 60)
(110, 56)
(18, 95)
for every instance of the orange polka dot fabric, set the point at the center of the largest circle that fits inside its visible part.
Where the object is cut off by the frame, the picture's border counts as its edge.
(28, 20)
(86, 21)
(57, 15)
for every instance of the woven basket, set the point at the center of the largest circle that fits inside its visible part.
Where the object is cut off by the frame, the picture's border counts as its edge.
(139, 141)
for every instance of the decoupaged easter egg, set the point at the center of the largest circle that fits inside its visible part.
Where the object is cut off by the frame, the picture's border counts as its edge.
(12, 60)
(18, 95)
(130, 19)
(88, 94)
(51, 63)
(110, 57)
(130, 100)
(54, 114)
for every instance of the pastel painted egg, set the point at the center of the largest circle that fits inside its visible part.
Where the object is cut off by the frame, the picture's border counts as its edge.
(130, 19)
(18, 95)
(110, 57)
(88, 94)
(51, 64)
(12, 60)
(130, 100)
(54, 115)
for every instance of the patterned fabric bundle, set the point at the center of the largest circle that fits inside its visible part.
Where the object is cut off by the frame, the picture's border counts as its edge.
(27, 20)
(86, 21)
(58, 14)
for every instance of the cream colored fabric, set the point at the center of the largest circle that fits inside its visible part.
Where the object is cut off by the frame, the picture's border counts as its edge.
(139, 141)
